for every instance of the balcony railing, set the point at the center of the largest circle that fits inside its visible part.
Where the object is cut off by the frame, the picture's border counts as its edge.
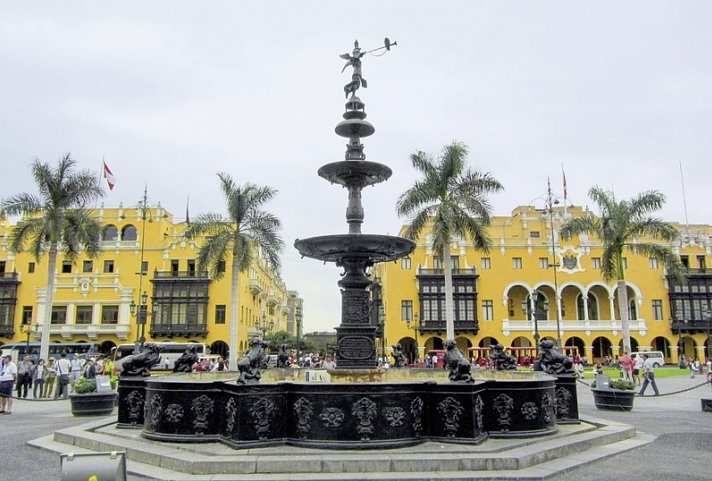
(470, 271)
(8, 276)
(691, 324)
(573, 325)
(7, 330)
(180, 275)
(439, 325)
(180, 330)
(92, 331)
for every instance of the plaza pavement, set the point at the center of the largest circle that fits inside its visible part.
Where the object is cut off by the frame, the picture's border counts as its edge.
(681, 451)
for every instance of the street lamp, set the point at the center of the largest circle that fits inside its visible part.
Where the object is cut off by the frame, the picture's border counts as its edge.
(265, 326)
(28, 330)
(415, 325)
(140, 311)
(550, 202)
(298, 318)
(382, 324)
(529, 306)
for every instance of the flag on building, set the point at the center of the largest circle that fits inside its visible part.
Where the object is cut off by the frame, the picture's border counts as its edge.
(563, 174)
(109, 176)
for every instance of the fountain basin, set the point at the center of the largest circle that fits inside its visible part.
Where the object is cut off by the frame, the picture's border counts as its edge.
(369, 247)
(343, 415)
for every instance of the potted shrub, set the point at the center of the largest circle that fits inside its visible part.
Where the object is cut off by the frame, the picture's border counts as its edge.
(86, 401)
(618, 396)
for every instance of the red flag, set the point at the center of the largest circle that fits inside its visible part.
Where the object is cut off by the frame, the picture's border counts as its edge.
(564, 176)
(109, 176)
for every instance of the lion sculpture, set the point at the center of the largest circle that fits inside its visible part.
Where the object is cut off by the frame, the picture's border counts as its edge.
(185, 362)
(140, 364)
(501, 360)
(456, 362)
(398, 356)
(282, 356)
(249, 366)
(553, 362)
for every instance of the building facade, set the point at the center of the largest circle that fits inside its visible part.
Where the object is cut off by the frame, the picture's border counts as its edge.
(145, 260)
(532, 283)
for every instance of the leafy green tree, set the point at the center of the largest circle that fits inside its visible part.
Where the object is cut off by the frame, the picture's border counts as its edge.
(451, 199)
(57, 219)
(247, 230)
(627, 226)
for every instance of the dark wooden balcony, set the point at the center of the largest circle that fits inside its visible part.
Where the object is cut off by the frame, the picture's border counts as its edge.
(179, 330)
(9, 277)
(687, 325)
(202, 275)
(441, 272)
(439, 325)
(7, 330)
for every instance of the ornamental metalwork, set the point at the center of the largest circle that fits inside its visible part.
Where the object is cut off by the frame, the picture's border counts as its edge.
(395, 416)
(331, 417)
(365, 410)
(563, 403)
(450, 410)
(155, 411)
(529, 410)
(202, 408)
(173, 413)
(303, 411)
(416, 410)
(231, 414)
(504, 404)
(262, 413)
(479, 413)
(547, 409)
(135, 403)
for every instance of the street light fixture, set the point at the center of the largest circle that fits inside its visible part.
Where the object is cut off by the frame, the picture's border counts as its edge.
(265, 326)
(550, 202)
(28, 330)
(140, 311)
(529, 305)
(415, 326)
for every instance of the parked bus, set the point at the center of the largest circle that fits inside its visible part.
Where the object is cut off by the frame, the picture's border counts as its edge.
(169, 353)
(18, 350)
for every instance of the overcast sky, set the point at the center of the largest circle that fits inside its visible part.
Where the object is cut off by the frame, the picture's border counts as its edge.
(170, 93)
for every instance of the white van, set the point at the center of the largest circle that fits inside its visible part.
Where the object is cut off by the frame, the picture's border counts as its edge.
(655, 356)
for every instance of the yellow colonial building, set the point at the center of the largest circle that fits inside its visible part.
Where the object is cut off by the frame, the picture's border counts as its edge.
(499, 294)
(144, 260)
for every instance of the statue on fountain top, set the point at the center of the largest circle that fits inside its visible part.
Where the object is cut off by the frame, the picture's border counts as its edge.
(501, 360)
(186, 360)
(553, 362)
(456, 362)
(249, 366)
(282, 356)
(398, 356)
(354, 60)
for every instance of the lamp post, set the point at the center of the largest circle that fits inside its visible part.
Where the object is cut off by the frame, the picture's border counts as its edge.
(298, 319)
(140, 311)
(530, 307)
(142, 314)
(415, 325)
(266, 326)
(382, 324)
(28, 330)
(707, 314)
(550, 202)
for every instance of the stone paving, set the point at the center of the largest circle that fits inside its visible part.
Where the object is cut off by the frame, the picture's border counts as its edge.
(680, 451)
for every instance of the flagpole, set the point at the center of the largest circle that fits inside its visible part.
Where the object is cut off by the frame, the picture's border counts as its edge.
(684, 199)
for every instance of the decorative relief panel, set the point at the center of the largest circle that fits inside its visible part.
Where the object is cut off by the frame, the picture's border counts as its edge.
(332, 417)
(416, 410)
(504, 404)
(529, 410)
(231, 415)
(395, 416)
(262, 412)
(303, 411)
(135, 404)
(450, 410)
(202, 408)
(174, 413)
(365, 410)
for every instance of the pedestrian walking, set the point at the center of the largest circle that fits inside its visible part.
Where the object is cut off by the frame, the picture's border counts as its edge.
(39, 375)
(8, 377)
(648, 376)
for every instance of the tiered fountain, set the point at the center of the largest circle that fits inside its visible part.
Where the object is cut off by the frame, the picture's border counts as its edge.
(351, 412)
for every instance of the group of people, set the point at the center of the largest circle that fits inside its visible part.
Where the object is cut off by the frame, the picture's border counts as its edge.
(46, 380)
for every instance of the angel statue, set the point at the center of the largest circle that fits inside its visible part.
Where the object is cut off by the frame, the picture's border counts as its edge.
(354, 60)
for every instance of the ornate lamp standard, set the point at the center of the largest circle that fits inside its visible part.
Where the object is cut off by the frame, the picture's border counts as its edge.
(140, 311)
(28, 330)
(298, 319)
(415, 325)
(530, 306)
(550, 202)
(266, 326)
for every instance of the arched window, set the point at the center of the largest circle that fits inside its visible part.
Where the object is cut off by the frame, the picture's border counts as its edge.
(592, 307)
(129, 233)
(110, 233)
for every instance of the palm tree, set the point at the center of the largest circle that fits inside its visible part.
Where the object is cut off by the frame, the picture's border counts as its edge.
(623, 226)
(451, 197)
(246, 230)
(56, 219)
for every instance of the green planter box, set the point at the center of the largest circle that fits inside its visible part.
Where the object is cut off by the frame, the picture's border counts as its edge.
(613, 399)
(93, 403)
